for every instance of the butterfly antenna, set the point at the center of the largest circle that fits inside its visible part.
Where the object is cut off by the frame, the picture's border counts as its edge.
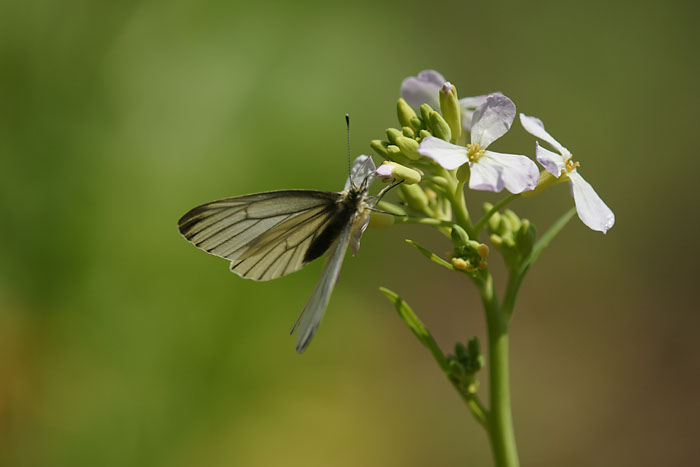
(347, 125)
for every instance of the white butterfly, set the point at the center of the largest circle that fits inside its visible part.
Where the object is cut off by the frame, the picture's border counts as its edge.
(272, 234)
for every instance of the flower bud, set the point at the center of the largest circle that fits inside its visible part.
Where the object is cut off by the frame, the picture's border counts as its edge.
(391, 208)
(414, 196)
(515, 222)
(408, 132)
(380, 220)
(409, 147)
(393, 170)
(405, 112)
(396, 155)
(482, 250)
(451, 109)
(417, 124)
(392, 134)
(459, 236)
(525, 238)
(425, 110)
(424, 134)
(459, 263)
(439, 126)
(380, 148)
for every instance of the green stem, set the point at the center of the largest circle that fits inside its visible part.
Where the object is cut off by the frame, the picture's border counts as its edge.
(459, 207)
(501, 430)
(482, 222)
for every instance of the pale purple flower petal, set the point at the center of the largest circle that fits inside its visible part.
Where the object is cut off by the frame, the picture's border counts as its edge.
(446, 154)
(495, 171)
(551, 161)
(535, 127)
(423, 89)
(590, 208)
(492, 120)
(468, 105)
(363, 167)
(385, 171)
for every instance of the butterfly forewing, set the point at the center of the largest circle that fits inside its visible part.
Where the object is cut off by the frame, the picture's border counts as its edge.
(265, 235)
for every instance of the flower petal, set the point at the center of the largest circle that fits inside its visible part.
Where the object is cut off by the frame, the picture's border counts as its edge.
(468, 105)
(385, 171)
(495, 171)
(535, 127)
(551, 161)
(590, 208)
(448, 155)
(423, 89)
(492, 119)
(362, 168)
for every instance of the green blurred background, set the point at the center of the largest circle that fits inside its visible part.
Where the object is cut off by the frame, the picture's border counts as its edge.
(122, 345)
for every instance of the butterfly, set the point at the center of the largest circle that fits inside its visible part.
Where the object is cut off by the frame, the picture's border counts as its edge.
(271, 234)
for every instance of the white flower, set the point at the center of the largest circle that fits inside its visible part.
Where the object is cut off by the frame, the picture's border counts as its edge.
(590, 208)
(490, 171)
(425, 89)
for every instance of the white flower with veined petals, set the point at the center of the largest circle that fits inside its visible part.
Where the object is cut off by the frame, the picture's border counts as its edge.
(425, 89)
(590, 208)
(489, 171)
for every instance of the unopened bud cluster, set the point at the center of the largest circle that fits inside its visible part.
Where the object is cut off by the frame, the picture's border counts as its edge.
(465, 364)
(469, 255)
(515, 237)
(400, 151)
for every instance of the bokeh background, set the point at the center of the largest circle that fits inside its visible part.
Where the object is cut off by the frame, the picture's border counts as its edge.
(122, 345)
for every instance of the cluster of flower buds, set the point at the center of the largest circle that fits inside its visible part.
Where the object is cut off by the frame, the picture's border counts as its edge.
(513, 236)
(465, 364)
(469, 255)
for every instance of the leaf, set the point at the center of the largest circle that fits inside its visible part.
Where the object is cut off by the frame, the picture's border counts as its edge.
(416, 326)
(431, 256)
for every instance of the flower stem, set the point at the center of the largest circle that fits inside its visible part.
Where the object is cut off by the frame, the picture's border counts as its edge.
(500, 425)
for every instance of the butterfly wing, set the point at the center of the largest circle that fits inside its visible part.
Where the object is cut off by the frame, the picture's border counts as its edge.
(264, 235)
(311, 315)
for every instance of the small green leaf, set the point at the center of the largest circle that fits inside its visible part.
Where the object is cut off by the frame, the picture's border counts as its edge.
(431, 256)
(416, 326)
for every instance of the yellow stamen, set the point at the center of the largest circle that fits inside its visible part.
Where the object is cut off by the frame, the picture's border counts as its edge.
(570, 164)
(474, 152)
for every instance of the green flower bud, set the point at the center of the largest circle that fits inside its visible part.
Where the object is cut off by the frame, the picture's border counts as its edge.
(409, 147)
(450, 109)
(414, 196)
(482, 250)
(425, 110)
(391, 169)
(417, 124)
(405, 112)
(424, 134)
(437, 180)
(497, 240)
(379, 220)
(495, 222)
(463, 172)
(391, 208)
(459, 236)
(396, 155)
(408, 132)
(525, 238)
(439, 126)
(515, 222)
(380, 148)
(392, 134)
(461, 352)
(474, 346)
